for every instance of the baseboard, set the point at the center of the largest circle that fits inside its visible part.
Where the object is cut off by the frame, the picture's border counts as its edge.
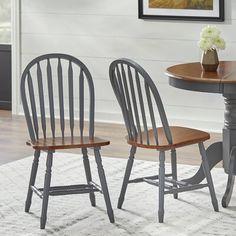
(207, 125)
(5, 105)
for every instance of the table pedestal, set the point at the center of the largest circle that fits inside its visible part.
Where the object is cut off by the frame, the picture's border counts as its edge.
(229, 146)
(214, 156)
(229, 134)
(225, 150)
(190, 76)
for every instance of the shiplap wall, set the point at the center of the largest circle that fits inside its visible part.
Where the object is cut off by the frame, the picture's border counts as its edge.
(98, 32)
(5, 22)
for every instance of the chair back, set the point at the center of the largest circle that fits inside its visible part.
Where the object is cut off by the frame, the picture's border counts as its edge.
(57, 85)
(139, 100)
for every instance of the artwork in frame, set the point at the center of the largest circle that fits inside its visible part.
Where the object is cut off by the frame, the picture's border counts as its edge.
(198, 10)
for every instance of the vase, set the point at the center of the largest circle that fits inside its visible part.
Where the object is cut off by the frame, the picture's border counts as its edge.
(210, 60)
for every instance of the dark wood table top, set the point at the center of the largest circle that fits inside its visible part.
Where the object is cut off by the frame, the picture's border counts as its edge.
(226, 72)
(191, 76)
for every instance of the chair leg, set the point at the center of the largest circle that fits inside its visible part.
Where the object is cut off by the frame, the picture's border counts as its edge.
(88, 174)
(161, 186)
(46, 188)
(126, 177)
(103, 181)
(208, 176)
(32, 179)
(174, 170)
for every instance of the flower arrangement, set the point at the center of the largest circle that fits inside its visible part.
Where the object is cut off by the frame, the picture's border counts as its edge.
(210, 39)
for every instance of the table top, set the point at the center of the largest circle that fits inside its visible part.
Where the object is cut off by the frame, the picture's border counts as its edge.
(191, 76)
(226, 72)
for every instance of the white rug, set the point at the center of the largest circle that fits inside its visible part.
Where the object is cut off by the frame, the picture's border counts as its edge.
(191, 214)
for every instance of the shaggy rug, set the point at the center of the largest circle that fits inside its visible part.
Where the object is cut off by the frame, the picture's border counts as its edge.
(191, 214)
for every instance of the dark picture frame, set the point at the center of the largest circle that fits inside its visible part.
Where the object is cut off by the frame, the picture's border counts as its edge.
(187, 14)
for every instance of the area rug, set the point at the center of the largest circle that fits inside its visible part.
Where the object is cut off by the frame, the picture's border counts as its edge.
(191, 214)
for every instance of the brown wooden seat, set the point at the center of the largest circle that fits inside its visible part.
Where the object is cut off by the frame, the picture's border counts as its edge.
(61, 85)
(181, 136)
(142, 109)
(67, 143)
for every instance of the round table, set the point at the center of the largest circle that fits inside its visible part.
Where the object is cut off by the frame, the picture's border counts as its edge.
(191, 76)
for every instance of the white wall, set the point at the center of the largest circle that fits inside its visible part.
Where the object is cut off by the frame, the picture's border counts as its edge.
(5, 21)
(100, 31)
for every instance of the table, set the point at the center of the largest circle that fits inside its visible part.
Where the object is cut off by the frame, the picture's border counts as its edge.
(191, 76)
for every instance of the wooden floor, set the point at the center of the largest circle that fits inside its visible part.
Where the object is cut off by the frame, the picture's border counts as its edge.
(14, 134)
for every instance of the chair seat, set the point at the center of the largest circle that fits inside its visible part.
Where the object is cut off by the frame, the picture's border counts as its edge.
(67, 143)
(181, 137)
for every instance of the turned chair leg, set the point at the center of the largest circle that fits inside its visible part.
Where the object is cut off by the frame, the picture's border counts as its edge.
(103, 181)
(207, 172)
(174, 169)
(88, 174)
(32, 179)
(161, 186)
(46, 188)
(126, 177)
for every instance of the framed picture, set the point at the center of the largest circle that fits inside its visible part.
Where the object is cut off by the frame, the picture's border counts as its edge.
(197, 10)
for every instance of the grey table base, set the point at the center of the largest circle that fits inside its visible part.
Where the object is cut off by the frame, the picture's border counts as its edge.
(214, 156)
(225, 150)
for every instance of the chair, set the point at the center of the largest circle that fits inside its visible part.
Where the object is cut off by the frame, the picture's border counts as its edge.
(56, 85)
(140, 103)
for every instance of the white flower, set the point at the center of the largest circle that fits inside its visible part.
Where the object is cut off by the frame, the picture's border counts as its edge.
(210, 39)
(219, 43)
(205, 44)
(210, 32)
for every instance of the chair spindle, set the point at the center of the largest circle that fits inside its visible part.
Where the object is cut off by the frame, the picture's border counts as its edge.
(81, 102)
(142, 108)
(71, 98)
(33, 105)
(51, 98)
(150, 106)
(41, 99)
(61, 100)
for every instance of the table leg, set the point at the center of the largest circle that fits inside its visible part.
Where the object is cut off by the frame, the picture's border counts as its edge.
(214, 156)
(229, 146)
(229, 189)
(230, 184)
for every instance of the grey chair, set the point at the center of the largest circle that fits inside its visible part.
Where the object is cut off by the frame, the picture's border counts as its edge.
(58, 85)
(142, 107)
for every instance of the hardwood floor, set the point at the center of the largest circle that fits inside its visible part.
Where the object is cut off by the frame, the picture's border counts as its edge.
(14, 134)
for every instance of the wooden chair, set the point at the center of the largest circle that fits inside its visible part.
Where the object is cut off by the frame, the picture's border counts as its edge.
(52, 84)
(140, 103)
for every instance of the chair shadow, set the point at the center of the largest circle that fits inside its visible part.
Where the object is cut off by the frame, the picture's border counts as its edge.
(136, 214)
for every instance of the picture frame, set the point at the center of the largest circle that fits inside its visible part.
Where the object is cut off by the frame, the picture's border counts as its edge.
(188, 10)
